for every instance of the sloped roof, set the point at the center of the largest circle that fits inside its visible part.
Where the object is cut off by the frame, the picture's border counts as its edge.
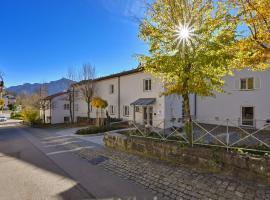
(144, 102)
(124, 73)
(54, 95)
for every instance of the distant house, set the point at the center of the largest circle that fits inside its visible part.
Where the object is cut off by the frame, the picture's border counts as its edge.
(56, 109)
(9, 100)
(135, 95)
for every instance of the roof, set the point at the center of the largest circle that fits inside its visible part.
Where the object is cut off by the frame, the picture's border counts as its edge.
(144, 102)
(124, 73)
(54, 95)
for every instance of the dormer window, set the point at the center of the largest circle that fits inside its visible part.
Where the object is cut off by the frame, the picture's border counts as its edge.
(111, 89)
(147, 85)
(247, 83)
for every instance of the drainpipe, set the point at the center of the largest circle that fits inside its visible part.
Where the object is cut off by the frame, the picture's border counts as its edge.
(195, 106)
(119, 97)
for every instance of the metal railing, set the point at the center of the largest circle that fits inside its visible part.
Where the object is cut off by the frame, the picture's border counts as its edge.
(228, 133)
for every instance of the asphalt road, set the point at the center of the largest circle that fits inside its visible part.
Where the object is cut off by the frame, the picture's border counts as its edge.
(31, 169)
(27, 173)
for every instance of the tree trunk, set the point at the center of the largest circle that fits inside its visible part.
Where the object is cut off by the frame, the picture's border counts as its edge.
(88, 112)
(187, 117)
(44, 116)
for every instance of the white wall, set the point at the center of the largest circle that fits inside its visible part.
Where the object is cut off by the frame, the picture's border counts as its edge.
(132, 89)
(228, 105)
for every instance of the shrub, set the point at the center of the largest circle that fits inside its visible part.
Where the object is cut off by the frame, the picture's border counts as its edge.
(102, 129)
(30, 115)
(15, 115)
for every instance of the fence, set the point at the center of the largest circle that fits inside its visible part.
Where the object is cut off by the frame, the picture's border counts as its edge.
(228, 133)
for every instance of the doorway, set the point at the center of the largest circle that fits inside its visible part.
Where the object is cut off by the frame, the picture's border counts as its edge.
(146, 113)
(248, 116)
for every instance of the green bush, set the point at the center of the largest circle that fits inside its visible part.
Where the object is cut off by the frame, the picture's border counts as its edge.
(15, 115)
(102, 129)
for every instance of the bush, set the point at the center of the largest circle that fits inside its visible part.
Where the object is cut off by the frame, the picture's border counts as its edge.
(102, 129)
(30, 115)
(15, 115)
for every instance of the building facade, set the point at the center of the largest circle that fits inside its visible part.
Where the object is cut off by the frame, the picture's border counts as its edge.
(136, 96)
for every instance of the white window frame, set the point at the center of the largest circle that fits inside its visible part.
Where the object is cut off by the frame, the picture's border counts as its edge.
(112, 110)
(149, 87)
(246, 83)
(241, 112)
(111, 88)
(126, 111)
(66, 106)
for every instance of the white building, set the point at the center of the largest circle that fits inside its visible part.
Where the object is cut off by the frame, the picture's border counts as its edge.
(56, 109)
(9, 100)
(135, 95)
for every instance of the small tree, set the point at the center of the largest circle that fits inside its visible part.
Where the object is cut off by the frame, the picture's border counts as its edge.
(99, 104)
(189, 45)
(2, 104)
(87, 76)
(43, 92)
(71, 76)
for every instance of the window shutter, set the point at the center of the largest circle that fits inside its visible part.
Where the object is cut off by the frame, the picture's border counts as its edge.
(257, 83)
(237, 84)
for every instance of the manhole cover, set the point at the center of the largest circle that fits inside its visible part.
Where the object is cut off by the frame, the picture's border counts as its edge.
(98, 160)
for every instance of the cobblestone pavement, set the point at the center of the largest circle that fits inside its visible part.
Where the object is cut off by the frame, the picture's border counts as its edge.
(167, 181)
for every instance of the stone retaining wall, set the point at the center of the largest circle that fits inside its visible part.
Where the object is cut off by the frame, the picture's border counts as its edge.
(210, 159)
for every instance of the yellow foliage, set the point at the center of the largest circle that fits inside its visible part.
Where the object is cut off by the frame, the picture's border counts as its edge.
(30, 115)
(252, 49)
(2, 102)
(98, 102)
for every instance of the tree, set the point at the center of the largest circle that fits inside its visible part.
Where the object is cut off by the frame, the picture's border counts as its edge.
(71, 76)
(189, 47)
(87, 86)
(2, 103)
(43, 92)
(253, 44)
(99, 104)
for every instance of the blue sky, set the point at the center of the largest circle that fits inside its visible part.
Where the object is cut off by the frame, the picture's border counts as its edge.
(41, 39)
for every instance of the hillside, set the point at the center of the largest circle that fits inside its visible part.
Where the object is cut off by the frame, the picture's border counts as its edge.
(53, 87)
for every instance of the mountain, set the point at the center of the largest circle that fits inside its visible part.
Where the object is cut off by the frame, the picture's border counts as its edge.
(53, 87)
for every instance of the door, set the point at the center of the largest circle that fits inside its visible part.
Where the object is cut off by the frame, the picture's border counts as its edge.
(248, 116)
(148, 113)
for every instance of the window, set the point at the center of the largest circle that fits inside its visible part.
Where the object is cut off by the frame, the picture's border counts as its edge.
(66, 106)
(111, 89)
(248, 116)
(66, 119)
(137, 109)
(112, 109)
(126, 110)
(147, 85)
(247, 83)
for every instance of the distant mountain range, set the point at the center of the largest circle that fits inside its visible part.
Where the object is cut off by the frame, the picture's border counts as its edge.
(53, 87)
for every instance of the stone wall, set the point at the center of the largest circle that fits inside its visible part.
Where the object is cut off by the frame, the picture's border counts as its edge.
(209, 159)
